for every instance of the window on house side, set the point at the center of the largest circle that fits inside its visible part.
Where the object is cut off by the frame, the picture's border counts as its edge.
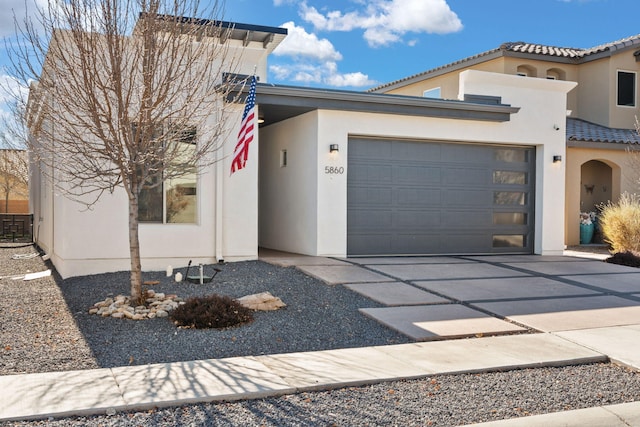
(626, 88)
(173, 200)
(432, 93)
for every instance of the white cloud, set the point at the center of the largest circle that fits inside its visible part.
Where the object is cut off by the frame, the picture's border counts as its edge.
(11, 90)
(300, 43)
(386, 21)
(312, 61)
(20, 8)
(280, 72)
(325, 73)
(356, 79)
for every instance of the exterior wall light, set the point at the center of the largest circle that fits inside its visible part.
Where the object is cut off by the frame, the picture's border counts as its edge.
(333, 148)
(557, 159)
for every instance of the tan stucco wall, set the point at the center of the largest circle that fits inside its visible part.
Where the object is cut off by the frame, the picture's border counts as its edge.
(622, 117)
(624, 178)
(595, 92)
(541, 69)
(449, 82)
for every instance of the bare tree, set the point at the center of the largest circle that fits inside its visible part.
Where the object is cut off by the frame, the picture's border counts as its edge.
(124, 93)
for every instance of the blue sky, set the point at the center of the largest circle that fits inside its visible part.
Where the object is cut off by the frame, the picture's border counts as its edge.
(357, 44)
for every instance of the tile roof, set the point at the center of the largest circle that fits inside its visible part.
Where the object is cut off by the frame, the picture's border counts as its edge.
(576, 54)
(565, 52)
(570, 52)
(583, 131)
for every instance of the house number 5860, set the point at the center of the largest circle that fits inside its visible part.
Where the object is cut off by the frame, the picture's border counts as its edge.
(334, 170)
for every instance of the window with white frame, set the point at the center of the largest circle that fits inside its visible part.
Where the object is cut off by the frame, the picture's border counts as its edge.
(172, 200)
(432, 93)
(626, 89)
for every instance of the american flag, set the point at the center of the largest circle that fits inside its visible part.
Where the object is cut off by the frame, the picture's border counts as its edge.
(245, 136)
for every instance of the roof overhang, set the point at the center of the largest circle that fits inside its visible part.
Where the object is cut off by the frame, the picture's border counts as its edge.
(279, 103)
(225, 30)
(571, 143)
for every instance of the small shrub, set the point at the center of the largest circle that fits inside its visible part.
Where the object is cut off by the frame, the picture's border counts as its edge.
(624, 258)
(212, 311)
(620, 223)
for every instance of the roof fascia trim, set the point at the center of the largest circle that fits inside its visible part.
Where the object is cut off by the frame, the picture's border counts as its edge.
(572, 143)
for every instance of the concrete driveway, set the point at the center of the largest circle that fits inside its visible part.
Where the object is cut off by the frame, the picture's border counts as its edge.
(582, 300)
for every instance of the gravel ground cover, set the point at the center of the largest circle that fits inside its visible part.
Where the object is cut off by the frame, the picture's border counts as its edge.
(44, 326)
(436, 401)
(37, 331)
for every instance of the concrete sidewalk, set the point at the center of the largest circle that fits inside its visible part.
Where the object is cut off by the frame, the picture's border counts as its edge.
(102, 391)
(574, 310)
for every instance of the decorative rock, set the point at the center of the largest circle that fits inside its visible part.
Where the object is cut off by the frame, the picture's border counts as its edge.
(263, 301)
(155, 305)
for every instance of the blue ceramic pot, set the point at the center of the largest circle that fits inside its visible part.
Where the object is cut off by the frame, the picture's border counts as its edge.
(586, 233)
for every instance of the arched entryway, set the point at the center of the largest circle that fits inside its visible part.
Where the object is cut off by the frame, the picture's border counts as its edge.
(596, 181)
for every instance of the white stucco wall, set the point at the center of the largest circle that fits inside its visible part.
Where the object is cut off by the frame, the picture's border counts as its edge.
(96, 240)
(288, 195)
(82, 241)
(238, 228)
(540, 123)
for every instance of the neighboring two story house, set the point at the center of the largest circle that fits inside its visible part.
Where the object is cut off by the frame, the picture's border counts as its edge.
(601, 110)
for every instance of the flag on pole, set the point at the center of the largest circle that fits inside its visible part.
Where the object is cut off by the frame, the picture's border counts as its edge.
(245, 136)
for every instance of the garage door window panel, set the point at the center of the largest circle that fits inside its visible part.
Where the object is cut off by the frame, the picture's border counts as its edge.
(518, 198)
(511, 155)
(510, 177)
(510, 218)
(509, 241)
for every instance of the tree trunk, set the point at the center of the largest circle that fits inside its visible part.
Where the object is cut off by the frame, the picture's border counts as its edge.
(134, 251)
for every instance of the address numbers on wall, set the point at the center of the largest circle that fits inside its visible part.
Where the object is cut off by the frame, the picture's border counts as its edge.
(334, 170)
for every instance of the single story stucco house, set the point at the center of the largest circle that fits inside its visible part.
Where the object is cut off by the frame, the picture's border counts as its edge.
(342, 173)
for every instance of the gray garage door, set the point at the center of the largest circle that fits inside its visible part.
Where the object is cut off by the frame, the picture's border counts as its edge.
(408, 197)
